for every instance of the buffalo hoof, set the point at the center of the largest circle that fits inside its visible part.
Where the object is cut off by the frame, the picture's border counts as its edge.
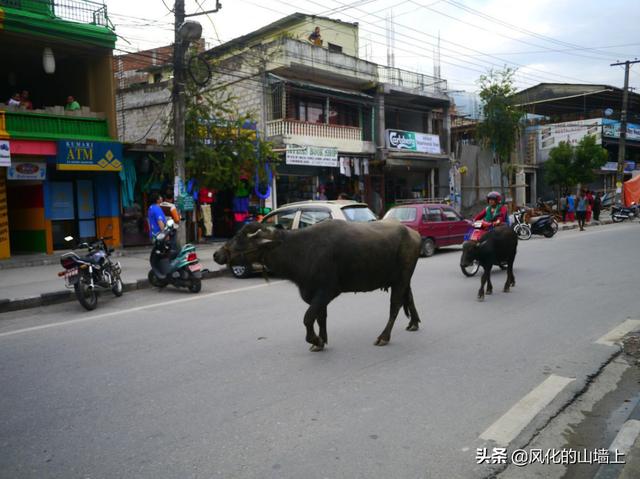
(506, 290)
(480, 298)
(489, 291)
(315, 348)
(412, 327)
(381, 342)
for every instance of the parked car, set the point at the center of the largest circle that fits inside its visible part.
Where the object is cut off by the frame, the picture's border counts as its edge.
(438, 224)
(303, 214)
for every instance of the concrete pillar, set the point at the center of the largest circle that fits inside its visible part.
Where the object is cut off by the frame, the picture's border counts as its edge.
(430, 121)
(380, 140)
(446, 123)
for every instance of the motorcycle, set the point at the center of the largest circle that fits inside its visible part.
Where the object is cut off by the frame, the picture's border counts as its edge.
(544, 225)
(168, 266)
(89, 273)
(479, 229)
(620, 213)
(521, 227)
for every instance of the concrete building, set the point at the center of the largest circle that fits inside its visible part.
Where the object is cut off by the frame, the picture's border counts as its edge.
(59, 164)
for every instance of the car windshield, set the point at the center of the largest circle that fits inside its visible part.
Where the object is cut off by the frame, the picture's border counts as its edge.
(402, 214)
(358, 214)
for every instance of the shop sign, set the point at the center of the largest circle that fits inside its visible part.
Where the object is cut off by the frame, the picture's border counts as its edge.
(613, 166)
(185, 203)
(26, 170)
(413, 141)
(611, 129)
(570, 132)
(5, 153)
(78, 155)
(312, 156)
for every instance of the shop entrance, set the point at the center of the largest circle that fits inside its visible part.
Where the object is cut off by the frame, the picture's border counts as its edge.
(73, 211)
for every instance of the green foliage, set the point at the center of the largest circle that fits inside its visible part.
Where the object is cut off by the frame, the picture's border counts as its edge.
(568, 166)
(499, 128)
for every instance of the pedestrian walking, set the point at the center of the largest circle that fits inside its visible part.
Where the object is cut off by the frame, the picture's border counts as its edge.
(597, 206)
(581, 209)
(571, 207)
(563, 207)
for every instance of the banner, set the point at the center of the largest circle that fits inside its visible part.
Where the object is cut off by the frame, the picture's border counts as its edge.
(78, 155)
(413, 141)
(27, 170)
(5, 153)
(611, 129)
(5, 249)
(549, 136)
(629, 166)
(312, 156)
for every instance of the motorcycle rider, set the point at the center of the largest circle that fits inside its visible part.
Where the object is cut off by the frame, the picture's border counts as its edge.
(494, 214)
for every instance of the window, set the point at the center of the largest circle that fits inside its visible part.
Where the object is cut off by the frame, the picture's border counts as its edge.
(309, 109)
(450, 215)
(342, 113)
(358, 214)
(402, 214)
(283, 218)
(311, 217)
(433, 214)
(334, 48)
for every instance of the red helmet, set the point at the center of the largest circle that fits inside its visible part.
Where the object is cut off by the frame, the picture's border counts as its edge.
(494, 195)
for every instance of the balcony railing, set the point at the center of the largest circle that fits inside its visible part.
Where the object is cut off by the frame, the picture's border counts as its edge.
(411, 80)
(81, 11)
(39, 126)
(319, 130)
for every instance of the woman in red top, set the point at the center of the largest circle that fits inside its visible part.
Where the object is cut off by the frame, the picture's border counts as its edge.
(494, 213)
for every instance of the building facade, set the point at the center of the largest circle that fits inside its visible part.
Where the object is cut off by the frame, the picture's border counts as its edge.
(60, 163)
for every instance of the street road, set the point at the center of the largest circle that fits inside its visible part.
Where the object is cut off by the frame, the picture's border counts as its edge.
(221, 384)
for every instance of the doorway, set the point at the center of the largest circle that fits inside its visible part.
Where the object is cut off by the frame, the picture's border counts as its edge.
(72, 211)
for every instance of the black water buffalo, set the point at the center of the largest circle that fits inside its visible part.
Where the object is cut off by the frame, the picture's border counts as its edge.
(496, 247)
(334, 257)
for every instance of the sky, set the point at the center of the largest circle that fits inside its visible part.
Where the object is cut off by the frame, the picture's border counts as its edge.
(559, 41)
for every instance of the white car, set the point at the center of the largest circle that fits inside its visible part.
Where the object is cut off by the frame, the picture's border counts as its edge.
(303, 214)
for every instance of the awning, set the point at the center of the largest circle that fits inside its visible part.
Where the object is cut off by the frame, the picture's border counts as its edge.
(321, 88)
(413, 163)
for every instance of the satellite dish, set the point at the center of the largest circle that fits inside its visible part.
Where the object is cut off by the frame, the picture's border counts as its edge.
(608, 112)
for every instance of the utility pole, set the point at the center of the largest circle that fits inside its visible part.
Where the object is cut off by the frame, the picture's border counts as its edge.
(178, 106)
(623, 127)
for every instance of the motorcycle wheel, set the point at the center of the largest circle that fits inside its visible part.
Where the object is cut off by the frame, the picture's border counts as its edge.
(117, 288)
(86, 296)
(241, 271)
(549, 232)
(523, 231)
(155, 281)
(616, 219)
(554, 226)
(195, 286)
(470, 270)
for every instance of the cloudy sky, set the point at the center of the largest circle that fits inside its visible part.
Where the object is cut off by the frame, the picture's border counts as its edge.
(570, 41)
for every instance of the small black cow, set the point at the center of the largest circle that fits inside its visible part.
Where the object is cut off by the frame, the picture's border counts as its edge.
(496, 247)
(334, 257)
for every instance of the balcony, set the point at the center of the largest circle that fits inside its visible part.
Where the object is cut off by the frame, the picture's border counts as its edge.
(46, 126)
(412, 83)
(80, 11)
(347, 139)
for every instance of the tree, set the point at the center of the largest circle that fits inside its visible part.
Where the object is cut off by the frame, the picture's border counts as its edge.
(500, 126)
(569, 166)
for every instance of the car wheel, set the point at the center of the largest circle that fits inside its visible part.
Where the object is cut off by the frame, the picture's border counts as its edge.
(428, 247)
(470, 270)
(241, 271)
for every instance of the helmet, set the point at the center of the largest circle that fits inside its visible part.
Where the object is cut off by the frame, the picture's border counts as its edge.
(494, 195)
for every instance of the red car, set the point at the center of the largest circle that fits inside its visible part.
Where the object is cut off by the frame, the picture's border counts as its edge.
(439, 225)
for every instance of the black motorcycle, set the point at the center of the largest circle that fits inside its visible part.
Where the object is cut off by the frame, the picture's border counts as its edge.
(91, 272)
(620, 213)
(544, 225)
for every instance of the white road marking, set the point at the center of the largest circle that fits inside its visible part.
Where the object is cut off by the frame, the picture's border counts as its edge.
(138, 308)
(626, 437)
(507, 428)
(619, 332)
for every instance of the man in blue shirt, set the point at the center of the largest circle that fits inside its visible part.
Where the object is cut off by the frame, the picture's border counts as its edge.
(157, 219)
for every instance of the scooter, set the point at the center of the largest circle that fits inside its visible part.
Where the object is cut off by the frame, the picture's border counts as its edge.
(168, 266)
(620, 213)
(544, 225)
(479, 229)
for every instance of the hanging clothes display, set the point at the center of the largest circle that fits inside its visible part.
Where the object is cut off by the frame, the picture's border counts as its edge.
(205, 210)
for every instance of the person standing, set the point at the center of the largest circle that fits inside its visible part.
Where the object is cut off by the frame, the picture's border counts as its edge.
(597, 206)
(571, 207)
(563, 207)
(157, 219)
(315, 38)
(589, 197)
(581, 209)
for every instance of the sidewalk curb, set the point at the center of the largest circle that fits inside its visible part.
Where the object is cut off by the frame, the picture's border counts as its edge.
(57, 297)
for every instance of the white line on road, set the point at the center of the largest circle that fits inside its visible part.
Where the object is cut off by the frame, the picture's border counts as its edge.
(619, 332)
(137, 308)
(507, 428)
(626, 437)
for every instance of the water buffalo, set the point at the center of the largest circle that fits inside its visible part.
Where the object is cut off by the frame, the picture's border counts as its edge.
(496, 247)
(334, 257)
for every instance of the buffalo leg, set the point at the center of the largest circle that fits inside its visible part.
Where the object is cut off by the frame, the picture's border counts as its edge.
(322, 325)
(317, 311)
(511, 279)
(414, 322)
(486, 276)
(397, 300)
(489, 285)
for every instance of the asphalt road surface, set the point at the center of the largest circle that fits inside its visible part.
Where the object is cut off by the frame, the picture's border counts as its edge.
(221, 384)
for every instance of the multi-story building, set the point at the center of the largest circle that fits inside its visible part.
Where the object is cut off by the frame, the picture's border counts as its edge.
(60, 160)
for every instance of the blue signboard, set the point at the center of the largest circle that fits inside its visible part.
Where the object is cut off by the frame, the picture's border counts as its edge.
(82, 155)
